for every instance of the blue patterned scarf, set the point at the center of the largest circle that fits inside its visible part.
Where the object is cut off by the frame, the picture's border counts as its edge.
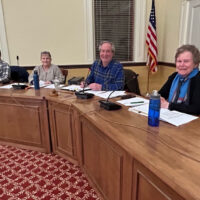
(184, 82)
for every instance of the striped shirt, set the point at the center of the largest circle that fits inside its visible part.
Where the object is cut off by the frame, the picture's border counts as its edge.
(4, 72)
(110, 77)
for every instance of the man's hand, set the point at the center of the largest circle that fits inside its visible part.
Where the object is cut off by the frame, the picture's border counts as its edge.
(95, 86)
(82, 85)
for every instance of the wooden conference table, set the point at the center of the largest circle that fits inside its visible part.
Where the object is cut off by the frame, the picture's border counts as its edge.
(123, 157)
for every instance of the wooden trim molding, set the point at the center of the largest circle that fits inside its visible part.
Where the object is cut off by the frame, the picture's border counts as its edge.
(89, 29)
(134, 64)
(167, 64)
(3, 38)
(139, 31)
(189, 32)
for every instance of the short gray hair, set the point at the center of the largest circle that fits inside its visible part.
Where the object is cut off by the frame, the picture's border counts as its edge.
(192, 49)
(45, 53)
(112, 45)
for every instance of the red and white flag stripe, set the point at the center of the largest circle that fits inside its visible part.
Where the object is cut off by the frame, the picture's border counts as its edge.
(151, 41)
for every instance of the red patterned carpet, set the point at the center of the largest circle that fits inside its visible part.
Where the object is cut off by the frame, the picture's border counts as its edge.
(31, 175)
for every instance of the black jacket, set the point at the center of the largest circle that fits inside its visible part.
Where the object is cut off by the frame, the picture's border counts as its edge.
(194, 95)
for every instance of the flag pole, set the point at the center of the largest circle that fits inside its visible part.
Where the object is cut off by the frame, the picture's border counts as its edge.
(151, 42)
(148, 76)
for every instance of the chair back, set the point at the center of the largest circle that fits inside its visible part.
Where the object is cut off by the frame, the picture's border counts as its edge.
(19, 74)
(65, 73)
(131, 81)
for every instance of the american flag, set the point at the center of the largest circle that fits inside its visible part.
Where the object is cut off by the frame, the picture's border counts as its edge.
(151, 41)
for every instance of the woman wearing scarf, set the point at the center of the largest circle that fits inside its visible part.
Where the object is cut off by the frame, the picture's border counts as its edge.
(181, 92)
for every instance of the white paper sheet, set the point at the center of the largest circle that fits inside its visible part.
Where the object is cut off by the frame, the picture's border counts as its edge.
(74, 88)
(52, 86)
(42, 84)
(94, 92)
(102, 94)
(176, 118)
(110, 94)
(173, 117)
(6, 86)
(135, 101)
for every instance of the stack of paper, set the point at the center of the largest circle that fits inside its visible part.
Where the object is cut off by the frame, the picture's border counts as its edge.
(176, 118)
(110, 94)
(74, 88)
(102, 94)
(173, 117)
(106, 94)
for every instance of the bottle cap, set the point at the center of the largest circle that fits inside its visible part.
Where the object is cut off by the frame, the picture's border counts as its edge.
(155, 94)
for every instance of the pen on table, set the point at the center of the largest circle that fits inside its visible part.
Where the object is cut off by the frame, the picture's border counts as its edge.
(87, 89)
(137, 102)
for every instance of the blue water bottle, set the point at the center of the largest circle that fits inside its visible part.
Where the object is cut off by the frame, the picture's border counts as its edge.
(154, 109)
(36, 80)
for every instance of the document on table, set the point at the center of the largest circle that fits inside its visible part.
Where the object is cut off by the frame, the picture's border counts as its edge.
(42, 84)
(106, 94)
(9, 86)
(102, 94)
(176, 118)
(75, 88)
(94, 92)
(135, 101)
(173, 117)
(51, 86)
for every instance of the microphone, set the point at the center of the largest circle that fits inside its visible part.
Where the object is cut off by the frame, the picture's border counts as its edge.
(107, 105)
(18, 85)
(17, 57)
(82, 94)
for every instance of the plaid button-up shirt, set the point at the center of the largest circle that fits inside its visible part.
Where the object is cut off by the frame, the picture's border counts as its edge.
(110, 77)
(4, 72)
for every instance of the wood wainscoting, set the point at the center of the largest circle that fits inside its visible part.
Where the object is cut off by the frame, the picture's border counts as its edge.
(107, 165)
(24, 122)
(62, 125)
(124, 158)
(115, 173)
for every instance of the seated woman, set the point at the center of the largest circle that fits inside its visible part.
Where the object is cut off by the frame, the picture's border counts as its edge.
(47, 72)
(181, 92)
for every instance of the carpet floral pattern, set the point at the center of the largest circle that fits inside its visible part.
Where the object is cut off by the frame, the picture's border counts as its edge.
(31, 175)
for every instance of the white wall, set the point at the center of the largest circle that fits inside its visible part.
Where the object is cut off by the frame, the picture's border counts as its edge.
(168, 28)
(61, 26)
(190, 22)
(36, 25)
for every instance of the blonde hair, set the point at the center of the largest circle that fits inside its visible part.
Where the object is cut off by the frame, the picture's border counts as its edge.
(45, 53)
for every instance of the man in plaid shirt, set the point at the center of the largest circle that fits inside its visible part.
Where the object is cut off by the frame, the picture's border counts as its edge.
(4, 71)
(106, 73)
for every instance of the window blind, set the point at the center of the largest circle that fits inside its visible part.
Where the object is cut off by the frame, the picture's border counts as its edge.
(114, 21)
